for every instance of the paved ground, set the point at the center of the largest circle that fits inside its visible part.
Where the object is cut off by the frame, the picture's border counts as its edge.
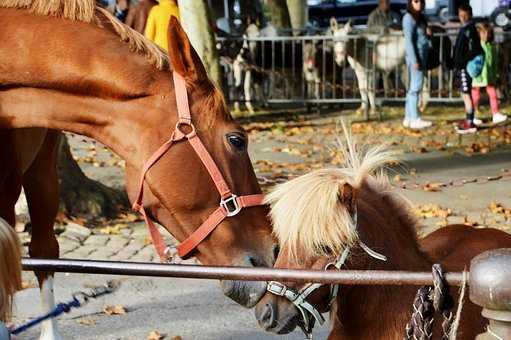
(196, 309)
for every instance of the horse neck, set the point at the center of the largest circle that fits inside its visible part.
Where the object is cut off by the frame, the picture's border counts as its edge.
(357, 49)
(81, 87)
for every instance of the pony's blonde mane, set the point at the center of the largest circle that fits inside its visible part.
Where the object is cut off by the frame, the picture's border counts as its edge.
(308, 217)
(87, 11)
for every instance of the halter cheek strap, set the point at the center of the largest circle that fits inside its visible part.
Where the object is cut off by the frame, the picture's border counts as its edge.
(230, 204)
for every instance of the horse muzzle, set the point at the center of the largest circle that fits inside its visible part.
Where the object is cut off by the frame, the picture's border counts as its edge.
(245, 293)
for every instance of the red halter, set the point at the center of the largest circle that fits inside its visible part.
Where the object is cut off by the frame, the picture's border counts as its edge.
(230, 204)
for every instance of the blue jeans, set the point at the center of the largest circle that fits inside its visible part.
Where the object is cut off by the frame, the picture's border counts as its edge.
(416, 79)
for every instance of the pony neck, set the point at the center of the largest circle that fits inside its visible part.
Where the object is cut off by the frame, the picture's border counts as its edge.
(386, 226)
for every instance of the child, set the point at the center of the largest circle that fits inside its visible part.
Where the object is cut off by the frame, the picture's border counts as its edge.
(488, 76)
(466, 48)
(10, 273)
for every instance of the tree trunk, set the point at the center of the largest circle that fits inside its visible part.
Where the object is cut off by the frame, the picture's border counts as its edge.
(298, 14)
(196, 21)
(83, 197)
(279, 14)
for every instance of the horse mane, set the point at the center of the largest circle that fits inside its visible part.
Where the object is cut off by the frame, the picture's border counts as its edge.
(308, 216)
(87, 11)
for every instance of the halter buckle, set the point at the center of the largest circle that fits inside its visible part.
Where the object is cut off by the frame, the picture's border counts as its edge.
(230, 205)
(276, 288)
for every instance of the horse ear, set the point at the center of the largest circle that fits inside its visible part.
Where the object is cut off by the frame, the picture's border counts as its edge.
(333, 24)
(183, 58)
(349, 24)
(347, 197)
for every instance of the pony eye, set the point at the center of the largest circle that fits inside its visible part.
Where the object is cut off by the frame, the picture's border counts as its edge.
(237, 141)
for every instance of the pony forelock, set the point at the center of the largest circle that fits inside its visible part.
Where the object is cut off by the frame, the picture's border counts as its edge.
(308, 216)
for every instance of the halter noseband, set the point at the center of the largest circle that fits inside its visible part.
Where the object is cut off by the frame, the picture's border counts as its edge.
(230, 204)
(299, 298)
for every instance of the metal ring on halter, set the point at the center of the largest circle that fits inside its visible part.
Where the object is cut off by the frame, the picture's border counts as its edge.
(230, 205)
(185, 122)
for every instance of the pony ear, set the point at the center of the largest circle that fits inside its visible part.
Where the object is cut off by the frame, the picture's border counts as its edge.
(347, 197)
(333, 24)
(182, 55)
(349, 24)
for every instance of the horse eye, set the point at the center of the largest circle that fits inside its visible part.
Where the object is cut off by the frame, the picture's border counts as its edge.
(237, 141)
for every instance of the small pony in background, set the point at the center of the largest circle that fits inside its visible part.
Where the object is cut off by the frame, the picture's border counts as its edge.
(10, 274)
(350, 218)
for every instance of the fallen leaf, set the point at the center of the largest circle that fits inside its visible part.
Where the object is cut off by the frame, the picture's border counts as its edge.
(155, 335)
(114, 310)
(433, 187)
(87, 322)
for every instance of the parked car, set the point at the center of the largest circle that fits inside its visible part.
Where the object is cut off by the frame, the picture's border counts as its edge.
(437, 10)
(358, 11)
(501, 16)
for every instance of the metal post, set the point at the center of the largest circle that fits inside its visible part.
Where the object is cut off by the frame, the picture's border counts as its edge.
(490, 288)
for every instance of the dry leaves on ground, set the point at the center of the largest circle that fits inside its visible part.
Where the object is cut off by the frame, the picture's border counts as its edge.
(114, 310)
(113, 229)
(432, 210)
(498, 208)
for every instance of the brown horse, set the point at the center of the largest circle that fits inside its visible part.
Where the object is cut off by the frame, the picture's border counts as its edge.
(68, 65)
(320, 215)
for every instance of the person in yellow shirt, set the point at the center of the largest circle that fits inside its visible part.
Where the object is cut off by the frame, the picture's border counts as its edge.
(158, 22)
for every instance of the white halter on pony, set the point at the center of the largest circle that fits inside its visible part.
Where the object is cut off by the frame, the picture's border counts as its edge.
(308, 215)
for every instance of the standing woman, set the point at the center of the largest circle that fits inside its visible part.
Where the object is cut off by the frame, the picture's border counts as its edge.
(415, 28)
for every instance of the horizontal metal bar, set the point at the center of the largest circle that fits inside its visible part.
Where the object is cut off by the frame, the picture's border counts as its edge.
(347, 277)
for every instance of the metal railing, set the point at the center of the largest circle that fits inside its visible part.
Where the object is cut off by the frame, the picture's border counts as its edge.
(279, 65)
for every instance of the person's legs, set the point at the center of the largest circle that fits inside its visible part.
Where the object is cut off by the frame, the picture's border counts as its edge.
(412, 96)
(466, 89)
(494, 101)
(476, 96)
(467, 125)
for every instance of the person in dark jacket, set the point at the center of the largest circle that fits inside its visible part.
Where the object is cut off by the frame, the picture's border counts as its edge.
(466, 48)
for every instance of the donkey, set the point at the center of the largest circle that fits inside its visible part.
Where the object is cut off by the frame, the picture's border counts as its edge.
(344, 218)
(69, 65)
(366, 55)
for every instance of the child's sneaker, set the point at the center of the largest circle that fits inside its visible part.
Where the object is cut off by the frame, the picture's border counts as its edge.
(466, 126)
(418, 124)
(499, 118)
(477, 122)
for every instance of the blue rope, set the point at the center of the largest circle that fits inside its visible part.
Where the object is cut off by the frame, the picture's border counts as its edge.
(62, 308)
(59, 309)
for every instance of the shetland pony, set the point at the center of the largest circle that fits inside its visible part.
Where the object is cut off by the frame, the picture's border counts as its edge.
(69, 65)
(321, 214)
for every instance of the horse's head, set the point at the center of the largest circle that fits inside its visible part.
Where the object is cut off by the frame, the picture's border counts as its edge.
(341, 38)
(314, 220)
(180, 193)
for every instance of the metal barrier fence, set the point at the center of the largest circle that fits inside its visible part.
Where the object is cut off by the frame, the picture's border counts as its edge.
(490, 279)
(303, 69)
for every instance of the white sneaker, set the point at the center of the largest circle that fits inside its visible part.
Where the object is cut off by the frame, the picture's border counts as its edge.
(499, 118)
(418, 124)
(406, 123)
(477, 121)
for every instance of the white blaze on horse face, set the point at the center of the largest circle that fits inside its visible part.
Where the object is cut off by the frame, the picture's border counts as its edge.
(49, 329)
(340, 48)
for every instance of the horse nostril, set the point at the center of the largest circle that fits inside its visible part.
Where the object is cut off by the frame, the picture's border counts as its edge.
(256, 262)
(267, 319)
(276, 251)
